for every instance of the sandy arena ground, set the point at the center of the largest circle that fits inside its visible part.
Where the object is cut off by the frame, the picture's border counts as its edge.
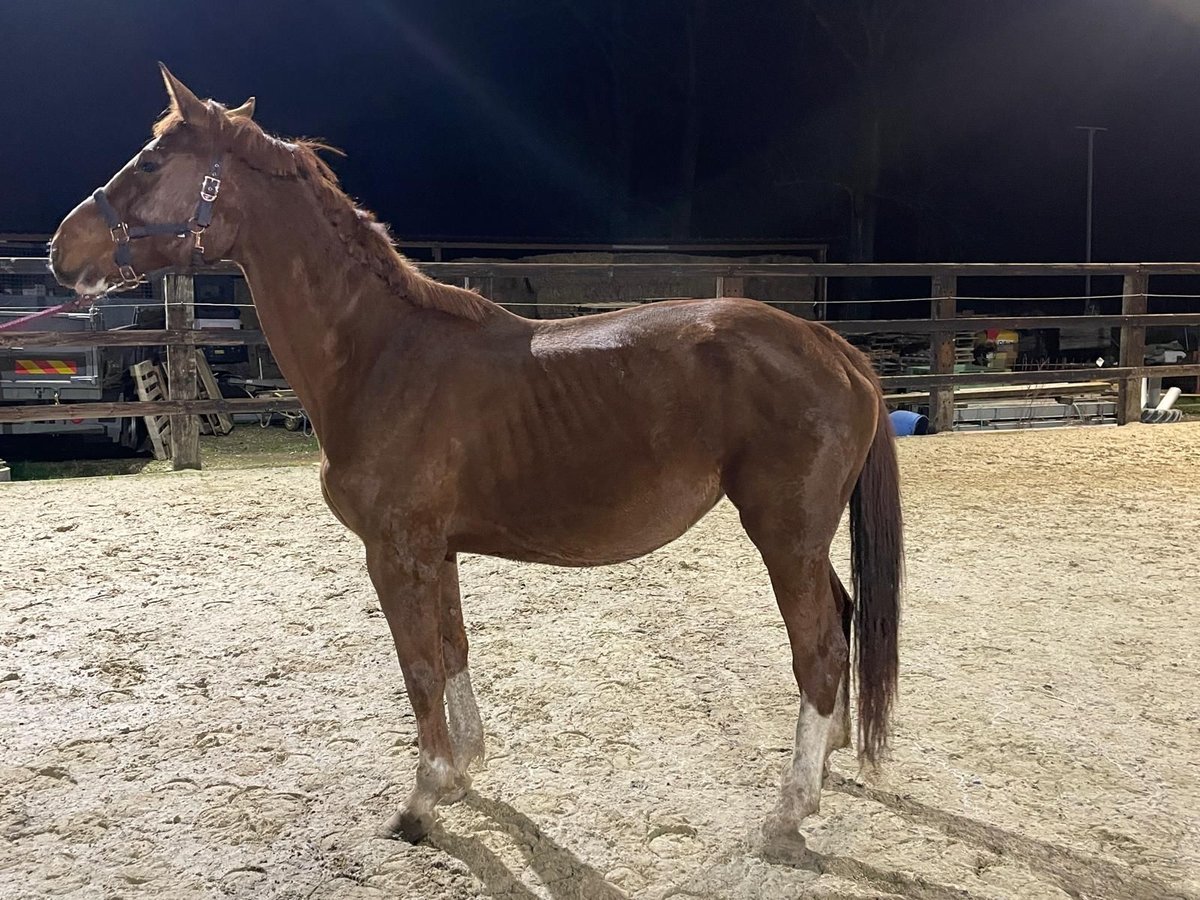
(199, 698)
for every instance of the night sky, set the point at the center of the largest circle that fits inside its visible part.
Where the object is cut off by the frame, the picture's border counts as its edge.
(569, 120)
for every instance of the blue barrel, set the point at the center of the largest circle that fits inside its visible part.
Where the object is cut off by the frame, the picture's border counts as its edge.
(906, 423)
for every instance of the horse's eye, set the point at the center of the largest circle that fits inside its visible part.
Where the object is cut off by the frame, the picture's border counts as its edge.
(147, 165)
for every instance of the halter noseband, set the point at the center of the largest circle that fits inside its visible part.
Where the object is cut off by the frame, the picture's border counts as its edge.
(122, 232)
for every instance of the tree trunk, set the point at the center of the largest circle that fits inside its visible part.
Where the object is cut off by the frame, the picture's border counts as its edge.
(622, 125)
(689, 151)
(865, 180)
(864, 204)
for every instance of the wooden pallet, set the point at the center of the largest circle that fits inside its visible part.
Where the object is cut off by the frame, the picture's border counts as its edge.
(210, 423)
(151, 385)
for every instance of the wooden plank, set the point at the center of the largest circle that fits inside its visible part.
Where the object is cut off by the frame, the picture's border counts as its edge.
(1133, 348)
(459, 270)
(20, 340)
(148, 379)
(218, 422)
(666, 247)
(181, 372)
(1007, 391)
(235, 406)
(1047, 376)
(49, 412)
(207, 337)
(1012, 323)
(943, 307)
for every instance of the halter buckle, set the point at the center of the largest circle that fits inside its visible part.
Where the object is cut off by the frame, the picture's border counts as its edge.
(120, 233)
(209, 188)
(128, 276)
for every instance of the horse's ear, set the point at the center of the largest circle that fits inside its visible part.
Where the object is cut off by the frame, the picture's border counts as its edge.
(245, 111)
(190, 107)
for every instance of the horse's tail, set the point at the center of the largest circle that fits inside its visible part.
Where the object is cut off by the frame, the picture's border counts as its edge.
(877, 556)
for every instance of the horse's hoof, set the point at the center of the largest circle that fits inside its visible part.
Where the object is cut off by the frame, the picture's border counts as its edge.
(461, 788)
(783, 843)
(406, 826)
(477, 759)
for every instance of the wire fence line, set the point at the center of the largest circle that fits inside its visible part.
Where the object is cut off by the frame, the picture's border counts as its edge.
(619, 304)
(466, 272)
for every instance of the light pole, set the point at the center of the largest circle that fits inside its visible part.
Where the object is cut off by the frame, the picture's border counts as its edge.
(1089, 304)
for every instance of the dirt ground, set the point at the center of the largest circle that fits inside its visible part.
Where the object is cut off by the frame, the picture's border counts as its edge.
(198, 697)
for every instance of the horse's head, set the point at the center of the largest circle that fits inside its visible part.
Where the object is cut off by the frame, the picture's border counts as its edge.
(161, 209)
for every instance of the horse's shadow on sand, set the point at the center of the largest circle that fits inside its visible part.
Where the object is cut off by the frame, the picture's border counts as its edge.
(560, 871)
(567, 877)
(1076, 873)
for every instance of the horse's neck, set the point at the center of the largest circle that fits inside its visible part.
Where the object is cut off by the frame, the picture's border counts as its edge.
(321, 311)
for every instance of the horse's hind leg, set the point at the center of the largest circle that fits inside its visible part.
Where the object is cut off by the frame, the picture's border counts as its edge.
(466, 728)
(841, 719)
(819, 657)
(793, 529)
(408, 584)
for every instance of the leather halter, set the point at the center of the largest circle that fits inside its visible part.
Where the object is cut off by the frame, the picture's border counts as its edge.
(122, 232)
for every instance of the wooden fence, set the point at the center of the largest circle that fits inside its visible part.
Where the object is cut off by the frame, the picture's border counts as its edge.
(181, 338)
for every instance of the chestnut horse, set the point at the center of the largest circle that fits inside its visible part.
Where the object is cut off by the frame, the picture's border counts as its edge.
(448, 425)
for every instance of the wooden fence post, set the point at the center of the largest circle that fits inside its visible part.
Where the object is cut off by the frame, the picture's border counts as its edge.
(181, 371)
(730, 286)
(1133, 347)
(944, 305)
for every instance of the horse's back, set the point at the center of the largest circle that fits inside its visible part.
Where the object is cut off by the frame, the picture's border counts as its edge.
(733, 350)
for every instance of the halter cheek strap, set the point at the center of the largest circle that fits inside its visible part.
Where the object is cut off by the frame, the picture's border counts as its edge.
(122, 232)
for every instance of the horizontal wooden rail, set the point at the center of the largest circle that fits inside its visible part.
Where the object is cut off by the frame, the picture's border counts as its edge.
(1007, 392)
(61, 411)
(226, 337)
(826, 270)
(37, 266)
(1013, 323)
(131, 337)
(1037, 376)
(58, 412)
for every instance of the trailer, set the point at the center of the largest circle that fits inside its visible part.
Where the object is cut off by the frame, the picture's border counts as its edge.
(72, 373)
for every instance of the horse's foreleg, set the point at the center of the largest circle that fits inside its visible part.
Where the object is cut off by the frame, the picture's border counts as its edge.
(408, 584)
(466, 728)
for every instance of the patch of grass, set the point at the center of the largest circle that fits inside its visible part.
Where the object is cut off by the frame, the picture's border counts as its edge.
(37, 469)
(252, 447)
(247, 447)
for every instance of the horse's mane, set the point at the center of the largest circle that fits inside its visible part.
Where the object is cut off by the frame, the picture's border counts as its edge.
(366, 239)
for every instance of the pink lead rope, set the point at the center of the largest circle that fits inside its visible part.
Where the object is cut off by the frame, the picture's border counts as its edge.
(72, 304)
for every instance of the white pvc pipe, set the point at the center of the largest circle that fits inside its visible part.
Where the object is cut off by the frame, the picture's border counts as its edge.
(1153, 393)
(1169, 399)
